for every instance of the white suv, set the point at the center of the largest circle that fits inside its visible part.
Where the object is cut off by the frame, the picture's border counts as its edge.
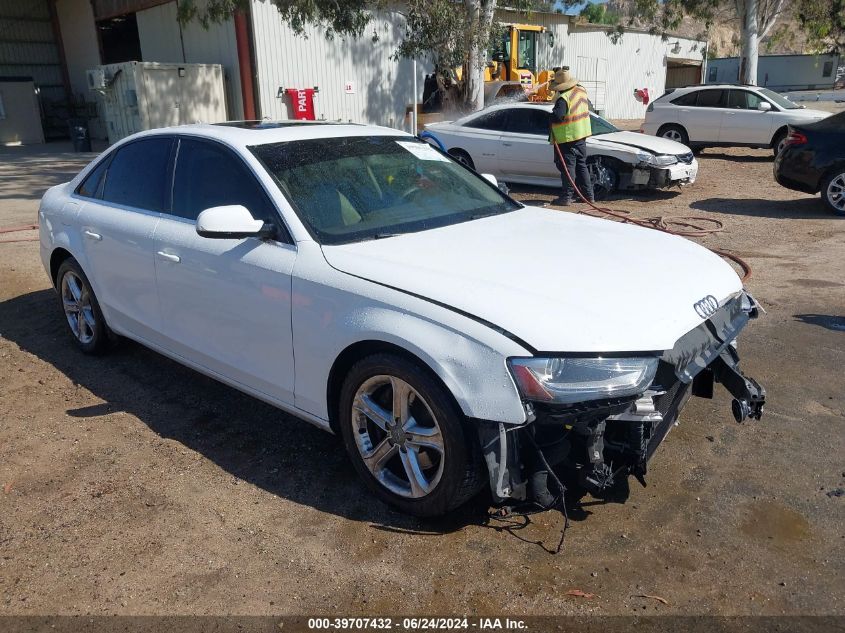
(723, 115)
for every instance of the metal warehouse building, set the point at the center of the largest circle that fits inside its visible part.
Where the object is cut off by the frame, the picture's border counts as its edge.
(780, 72)
(57, 41)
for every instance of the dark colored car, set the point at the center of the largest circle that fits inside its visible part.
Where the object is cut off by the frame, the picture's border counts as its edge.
(813, 160)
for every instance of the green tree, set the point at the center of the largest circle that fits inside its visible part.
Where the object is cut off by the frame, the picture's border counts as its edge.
(824, 23)
(597, 13)
(349, 17)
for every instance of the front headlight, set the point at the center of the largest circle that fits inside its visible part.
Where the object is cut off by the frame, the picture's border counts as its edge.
(663, 160)
(571, 380)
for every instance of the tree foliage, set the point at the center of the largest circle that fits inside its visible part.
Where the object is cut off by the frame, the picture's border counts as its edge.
(824, 23)
(596, 13)
(343, 18)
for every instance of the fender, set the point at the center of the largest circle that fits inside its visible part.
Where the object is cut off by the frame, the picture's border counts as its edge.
(468, 356)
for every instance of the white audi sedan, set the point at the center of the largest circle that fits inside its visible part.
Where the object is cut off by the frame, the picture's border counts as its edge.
(357, 278)
(511, 142)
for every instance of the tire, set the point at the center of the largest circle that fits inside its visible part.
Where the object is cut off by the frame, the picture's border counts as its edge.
(604, 177)
(462, 157)
(435, 442)
(674, 133)
(833, 191)
(81, 308)
(777, 142)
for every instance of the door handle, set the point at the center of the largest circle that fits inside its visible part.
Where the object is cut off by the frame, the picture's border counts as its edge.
(92, 235)
(169, 257)
(506, 144)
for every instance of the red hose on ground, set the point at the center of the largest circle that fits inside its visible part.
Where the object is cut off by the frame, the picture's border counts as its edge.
(15, 229)
(692, 224)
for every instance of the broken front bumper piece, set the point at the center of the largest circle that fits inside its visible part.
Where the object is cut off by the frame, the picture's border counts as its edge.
(595, 445)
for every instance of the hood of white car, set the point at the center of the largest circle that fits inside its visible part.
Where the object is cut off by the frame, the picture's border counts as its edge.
(560, 282)
(654, 144)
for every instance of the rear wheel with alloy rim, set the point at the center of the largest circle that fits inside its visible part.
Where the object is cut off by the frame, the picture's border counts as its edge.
(674, 133)
(833, 192)
(406, 437)
(82, 312)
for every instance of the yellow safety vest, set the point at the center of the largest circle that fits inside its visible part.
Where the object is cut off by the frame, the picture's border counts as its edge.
(576, 124)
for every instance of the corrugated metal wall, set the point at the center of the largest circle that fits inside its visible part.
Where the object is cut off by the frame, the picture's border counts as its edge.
(162, 40)
(611, 72)
(28, 49)
(381, 88)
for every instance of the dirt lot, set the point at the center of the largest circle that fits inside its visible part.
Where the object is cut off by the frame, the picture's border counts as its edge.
(131, 485)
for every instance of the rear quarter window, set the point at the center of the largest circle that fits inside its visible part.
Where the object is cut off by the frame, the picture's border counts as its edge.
(92, 185)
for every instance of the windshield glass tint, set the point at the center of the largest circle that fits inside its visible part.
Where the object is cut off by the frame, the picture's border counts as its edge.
(778, 100)
(356, 188)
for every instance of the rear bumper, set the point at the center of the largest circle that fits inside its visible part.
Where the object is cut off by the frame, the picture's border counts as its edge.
(793, 169)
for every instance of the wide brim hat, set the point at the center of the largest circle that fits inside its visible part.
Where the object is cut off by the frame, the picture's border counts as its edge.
(562, 80)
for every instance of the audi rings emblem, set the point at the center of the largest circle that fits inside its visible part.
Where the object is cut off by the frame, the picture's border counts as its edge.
(706, 307)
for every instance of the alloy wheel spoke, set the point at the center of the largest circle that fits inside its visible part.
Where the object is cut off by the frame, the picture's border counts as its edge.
(80, 327)
(71, 307)
(424, 437)
(416, 478)
(74, 287)
(375, 413)
(401, 400)
(376, 460)
(88, 317)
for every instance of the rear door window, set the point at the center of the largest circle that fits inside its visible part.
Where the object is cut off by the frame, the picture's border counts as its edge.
(710, 99)
(496, 121)
(137, 175)
(529, 121)
(208, 175)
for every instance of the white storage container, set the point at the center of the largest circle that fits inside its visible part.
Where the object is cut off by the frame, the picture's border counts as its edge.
(136, 96)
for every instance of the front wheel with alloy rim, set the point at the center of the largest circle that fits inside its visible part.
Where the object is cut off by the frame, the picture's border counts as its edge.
(406, 437)
(833, 192)
(82, 311)
(605, 179)
(779, 143)
(462, 157)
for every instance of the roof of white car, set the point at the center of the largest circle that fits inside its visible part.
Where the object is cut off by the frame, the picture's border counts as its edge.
(246, 133)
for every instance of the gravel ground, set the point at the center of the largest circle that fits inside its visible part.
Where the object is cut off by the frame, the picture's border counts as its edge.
(131, 485)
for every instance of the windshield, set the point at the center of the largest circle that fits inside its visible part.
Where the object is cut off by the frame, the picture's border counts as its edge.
(601, 126)
(366, 187)
(778, 100)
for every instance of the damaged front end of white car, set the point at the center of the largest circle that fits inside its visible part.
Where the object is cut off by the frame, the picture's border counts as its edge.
(596, 420)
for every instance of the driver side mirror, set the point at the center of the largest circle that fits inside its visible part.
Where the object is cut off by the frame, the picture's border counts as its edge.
(764, 106)
(233, 221)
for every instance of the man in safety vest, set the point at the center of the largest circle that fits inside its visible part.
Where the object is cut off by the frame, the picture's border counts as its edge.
(569, 129)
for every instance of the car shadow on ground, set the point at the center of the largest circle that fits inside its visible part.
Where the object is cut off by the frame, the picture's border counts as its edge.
(768, 157)
(809, 208)
(546, 195)
(249, 439)
(835, 323)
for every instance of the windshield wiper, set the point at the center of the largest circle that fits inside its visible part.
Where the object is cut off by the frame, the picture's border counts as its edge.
(383, 236)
